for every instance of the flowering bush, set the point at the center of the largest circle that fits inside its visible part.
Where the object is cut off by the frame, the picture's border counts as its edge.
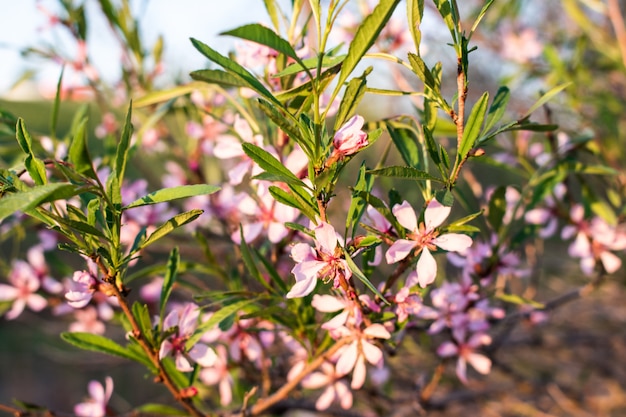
(277, 188)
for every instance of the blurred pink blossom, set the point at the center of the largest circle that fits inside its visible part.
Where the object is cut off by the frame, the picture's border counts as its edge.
(99, 396)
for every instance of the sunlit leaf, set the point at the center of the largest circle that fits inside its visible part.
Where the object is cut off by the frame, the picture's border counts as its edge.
(174, 193)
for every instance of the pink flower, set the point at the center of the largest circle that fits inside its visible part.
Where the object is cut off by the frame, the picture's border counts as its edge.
(335, 388)
(184, 322)
(425, 238)
(82, 290)
(353, 356)
(96, 404)
(325, 261)
(87, 321)
(218, 374)
(466, 351)
(349, 139)
(22, 291)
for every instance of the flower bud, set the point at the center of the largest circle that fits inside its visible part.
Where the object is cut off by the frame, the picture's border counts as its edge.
(350, 138)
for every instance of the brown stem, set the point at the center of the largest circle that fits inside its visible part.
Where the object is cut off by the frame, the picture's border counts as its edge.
(429, 390)
(145, 344)
(462, 93)
(265, 403)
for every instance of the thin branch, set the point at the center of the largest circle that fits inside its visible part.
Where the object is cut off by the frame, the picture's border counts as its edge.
(617, 20)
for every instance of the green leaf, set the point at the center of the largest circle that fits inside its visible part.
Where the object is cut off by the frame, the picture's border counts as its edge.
(292, 200)
(359, 274)
(287, 124)
(311, 63)
(545, 98)
(142, 316)
(406, 143)
(497, 108)
(249, 262)
(158, 409)
(519, 300)
(352, 97)
(160, 96)
(219, 77)
(270, 164)
(473, 127)
(23, 137)
(217, 317)
(364, 183)
(233, 67)
(33, 197)
(263, 35)
(421, 70)
(97, 343)
(174, 193)
(121, 155)
(168, 282)
(415, 12)
(273, 274)
(78, 154)
(480, 16)
(497, 208)
(54, 117)
(365, 36)
(407, 173)
(37, 169)
(169, 226)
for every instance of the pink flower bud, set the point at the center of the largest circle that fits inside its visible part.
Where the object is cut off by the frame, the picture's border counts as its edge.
(350, 138)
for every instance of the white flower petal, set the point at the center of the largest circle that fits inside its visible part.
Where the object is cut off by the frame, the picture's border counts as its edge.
(435, 214)
(405, 215)
(426, 268)
(453, 242)
(400, 249)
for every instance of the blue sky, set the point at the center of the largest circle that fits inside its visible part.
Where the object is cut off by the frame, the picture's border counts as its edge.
(176, 20)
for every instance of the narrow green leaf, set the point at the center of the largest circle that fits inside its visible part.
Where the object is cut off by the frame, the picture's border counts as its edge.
(310, 63)
(407, 173)
(546, 97)
(78, 154)
(263, 35)
(421, 70)
(168, 283)
(497, 208)
(142, 316)
(161, 96)
(273, 12)
(352, 97)
(473, 126)
(217, 317)
(497, 108)
(406, 143)
(249, 262)
(365, 36)
(233, 67)
(359, 274)
(273, 274)
(36, 169)
(121, 155)
(292, 200)
(415, 12)
(33, 197)
(519, 300)
(97, 343)
(270, 164)
(219, 77)
(54, 117)
(480, 16)
(287, 124)
(23, 137)
(158, 409)
(169, 226)
(174, 193)
(364, 183)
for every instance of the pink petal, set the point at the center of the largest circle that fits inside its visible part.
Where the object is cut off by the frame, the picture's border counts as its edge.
(580, 247)
(226, 392)
(400, 249)
(435, 214)
(372, 353)
(316, 380)
(480, 362)
(276, 232)
(227, 147)
(426, 268)
(301, 252)
(326, 399)
(453, 242)
(447, 349)
(182, 364)
(461, 370)
(405, 215)
(347, 359)
(165, 349)
(326, 236)
(344, 394)
(377, 330)
(16, 309)
(36, 302)
(302, 288)
(8, 292)
(327, 303)
(203, 355)
(610, 261)
(359, 374)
